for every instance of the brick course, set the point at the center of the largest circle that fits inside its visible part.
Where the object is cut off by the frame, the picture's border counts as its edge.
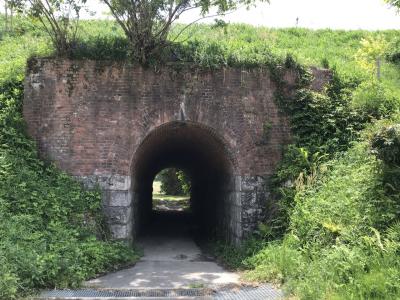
(90, 117)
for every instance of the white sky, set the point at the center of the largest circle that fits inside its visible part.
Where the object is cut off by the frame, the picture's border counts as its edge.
(337, 14)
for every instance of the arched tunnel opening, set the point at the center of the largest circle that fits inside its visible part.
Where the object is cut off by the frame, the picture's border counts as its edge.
(199, 152)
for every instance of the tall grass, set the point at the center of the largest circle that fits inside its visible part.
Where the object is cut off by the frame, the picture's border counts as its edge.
(344, 239)
(336, 48)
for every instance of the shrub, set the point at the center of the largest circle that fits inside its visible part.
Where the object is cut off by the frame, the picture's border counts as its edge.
(343, 241)
(371, 50)
(51, 229)
(385, 143)
(101, 48)
(338, 205)
(393, 51)
(184, 181)
(170, 183)
(375, 100)
(322, 125)
(234, 257)
(52, 232)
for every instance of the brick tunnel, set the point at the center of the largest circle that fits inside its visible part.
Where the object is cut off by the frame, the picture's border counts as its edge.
(115, 125)
(205, 157)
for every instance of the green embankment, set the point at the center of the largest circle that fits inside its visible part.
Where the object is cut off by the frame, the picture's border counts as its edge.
(337, 234)
(344, 236)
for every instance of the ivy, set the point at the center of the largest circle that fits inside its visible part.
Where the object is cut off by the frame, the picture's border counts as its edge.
(52, 232)
(322, 124)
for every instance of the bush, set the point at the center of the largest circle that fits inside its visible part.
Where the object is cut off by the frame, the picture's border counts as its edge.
(373, 99)
(52, 232)
(343, 240)
(184, 182)
(339, 206)
(340, 237)
(322, 124)
(170, 183)
(385, 143)
(393, 51)
(51, 229)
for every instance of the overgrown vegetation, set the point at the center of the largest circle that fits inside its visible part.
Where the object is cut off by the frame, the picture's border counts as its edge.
(343, 237)
(146, 25)
(58, 18)
(337, 234)
(341, 230)
(52, 232)
(174, 182)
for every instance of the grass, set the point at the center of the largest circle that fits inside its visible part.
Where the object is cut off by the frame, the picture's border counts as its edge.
(159, 195)
(344, 236)
(338, 245)
(343, 240)
(168, 202)
(310, 47)
(247, 46)
(14, 52)
(170, 198)
(235, 44)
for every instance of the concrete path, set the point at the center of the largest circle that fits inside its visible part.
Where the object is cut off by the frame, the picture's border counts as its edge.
(172, 267)
(171, 260)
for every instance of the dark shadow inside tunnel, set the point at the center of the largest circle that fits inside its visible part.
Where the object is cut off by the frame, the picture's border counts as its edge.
(204, 157)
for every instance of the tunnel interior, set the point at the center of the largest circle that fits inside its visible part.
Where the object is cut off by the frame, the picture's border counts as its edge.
(204, 157)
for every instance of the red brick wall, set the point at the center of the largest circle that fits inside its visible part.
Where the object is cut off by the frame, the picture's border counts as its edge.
(89, 117)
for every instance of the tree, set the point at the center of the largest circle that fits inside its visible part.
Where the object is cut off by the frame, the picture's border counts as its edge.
(170, 183)
(8, 15)
(59, 19)
(370, 54)
(147, 23)
(5, 15)
(395, 3)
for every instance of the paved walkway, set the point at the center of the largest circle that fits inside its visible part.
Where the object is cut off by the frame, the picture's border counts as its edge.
(173, 267)
(171, 260)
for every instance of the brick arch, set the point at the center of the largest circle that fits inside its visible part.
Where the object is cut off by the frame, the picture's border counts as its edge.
(212, 133)
(90, 118)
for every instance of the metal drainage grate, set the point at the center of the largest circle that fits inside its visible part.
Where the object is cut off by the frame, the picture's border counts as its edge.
(153, 293)
(262, 292)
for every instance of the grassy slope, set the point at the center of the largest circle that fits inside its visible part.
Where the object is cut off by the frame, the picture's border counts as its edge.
(338, 246)
(245, 44)
(310, 47)
(328, 270)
